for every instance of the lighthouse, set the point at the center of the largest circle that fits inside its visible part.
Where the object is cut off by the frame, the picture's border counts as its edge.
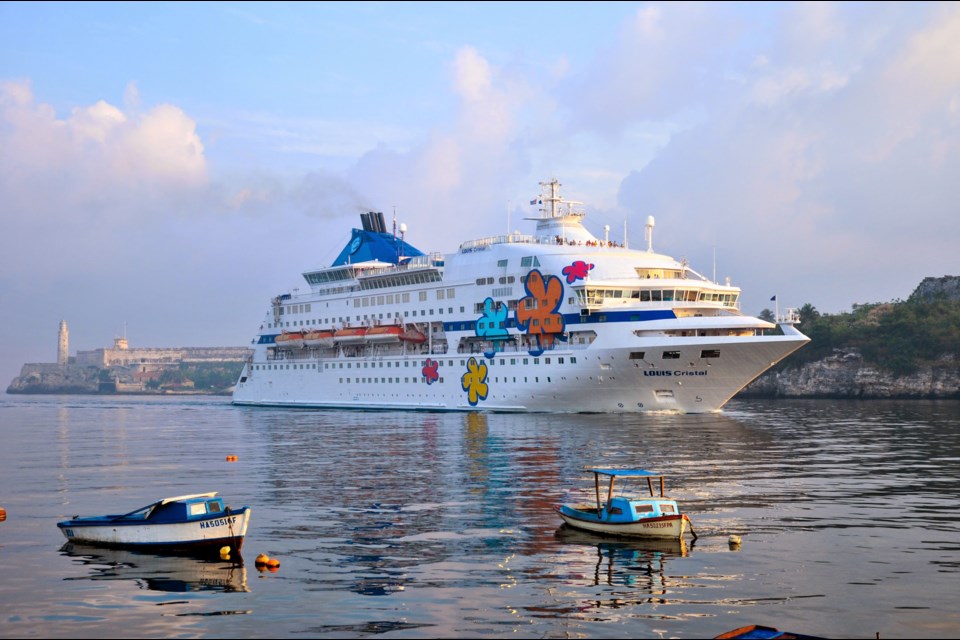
(63, 344)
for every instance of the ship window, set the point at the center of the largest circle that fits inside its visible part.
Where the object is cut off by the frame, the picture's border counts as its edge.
(501, 263)
(667, 508)
(198, 509)
(214, 507)
(643, 508)
(440, 294)
(423, 296)
(615, 510)
(671, 355)
(710, 353)
(637, 355)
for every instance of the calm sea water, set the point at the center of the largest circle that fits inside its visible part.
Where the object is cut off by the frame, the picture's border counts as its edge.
(419, 525)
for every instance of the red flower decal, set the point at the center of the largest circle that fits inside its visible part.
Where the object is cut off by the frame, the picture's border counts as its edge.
(430, 371)
(577, 271)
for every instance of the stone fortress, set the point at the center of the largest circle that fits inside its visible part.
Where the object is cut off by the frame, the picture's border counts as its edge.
(116, 369)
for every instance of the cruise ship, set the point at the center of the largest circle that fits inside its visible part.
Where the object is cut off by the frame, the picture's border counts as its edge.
(554, 321)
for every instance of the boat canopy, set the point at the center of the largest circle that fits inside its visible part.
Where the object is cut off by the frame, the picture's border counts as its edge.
(626, 473)
(183, 498)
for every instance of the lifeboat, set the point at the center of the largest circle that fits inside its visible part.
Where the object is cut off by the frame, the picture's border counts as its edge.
(349, 335)
(290, 340)
(318, 338)
(385, 333)
(413, 335)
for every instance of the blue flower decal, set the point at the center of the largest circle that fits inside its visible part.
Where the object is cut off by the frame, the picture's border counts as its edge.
(492, 325)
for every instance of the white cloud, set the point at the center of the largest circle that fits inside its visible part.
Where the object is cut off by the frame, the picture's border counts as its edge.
(830, 164)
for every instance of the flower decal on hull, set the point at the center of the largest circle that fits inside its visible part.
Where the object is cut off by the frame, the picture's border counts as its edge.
(474, 382)
(492, 324)
(537, 312)
(430, 371)
(577, 271)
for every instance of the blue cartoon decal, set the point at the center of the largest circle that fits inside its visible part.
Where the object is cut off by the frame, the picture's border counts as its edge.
(492, 325)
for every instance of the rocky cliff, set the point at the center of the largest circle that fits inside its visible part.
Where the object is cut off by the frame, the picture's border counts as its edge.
(54, 378)
(845, 375)
(930, 289)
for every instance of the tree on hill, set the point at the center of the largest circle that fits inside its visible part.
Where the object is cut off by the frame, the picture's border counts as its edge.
(897, 336)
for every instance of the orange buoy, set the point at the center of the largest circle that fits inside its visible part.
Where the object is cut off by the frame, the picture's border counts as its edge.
(273, 563)
(231, 458)
(262, 559)
(3, 514)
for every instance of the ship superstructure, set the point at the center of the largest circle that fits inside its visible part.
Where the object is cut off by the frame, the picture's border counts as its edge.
(556, 321)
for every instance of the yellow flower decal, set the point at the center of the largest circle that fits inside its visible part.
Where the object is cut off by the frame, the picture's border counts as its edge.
(537, 313)
(474, 382)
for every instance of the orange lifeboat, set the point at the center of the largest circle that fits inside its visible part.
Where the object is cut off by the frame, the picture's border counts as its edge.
(290, 340)
(318, 338)
(349, 335)
(385, 333)
(414, 336)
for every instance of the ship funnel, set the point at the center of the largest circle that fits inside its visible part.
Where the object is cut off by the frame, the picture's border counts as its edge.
(373, 221)
(649, 233)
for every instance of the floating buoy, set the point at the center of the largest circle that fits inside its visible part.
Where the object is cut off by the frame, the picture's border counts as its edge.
(262, 559)
(225, 553)
(273, 563)
(734, 540)
(3, 514)
(231, 458)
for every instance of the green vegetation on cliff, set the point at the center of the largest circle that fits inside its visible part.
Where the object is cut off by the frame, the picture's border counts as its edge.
(898, 336)
(205, 376)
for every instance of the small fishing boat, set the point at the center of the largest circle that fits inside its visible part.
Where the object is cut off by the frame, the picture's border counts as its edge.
(194, 522)
(648, 517)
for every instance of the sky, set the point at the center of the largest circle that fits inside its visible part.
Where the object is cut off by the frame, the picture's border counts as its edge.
(165, 169)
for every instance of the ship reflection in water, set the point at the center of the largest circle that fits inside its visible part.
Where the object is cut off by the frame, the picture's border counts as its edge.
(170, 573)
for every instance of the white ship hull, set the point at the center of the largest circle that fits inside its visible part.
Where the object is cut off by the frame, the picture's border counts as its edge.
(600, 381)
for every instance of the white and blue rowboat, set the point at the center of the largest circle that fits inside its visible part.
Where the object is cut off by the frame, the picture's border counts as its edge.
(192, 522)
(648, 517)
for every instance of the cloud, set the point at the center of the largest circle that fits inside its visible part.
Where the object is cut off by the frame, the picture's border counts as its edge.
(825, 164)
(98, 155)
